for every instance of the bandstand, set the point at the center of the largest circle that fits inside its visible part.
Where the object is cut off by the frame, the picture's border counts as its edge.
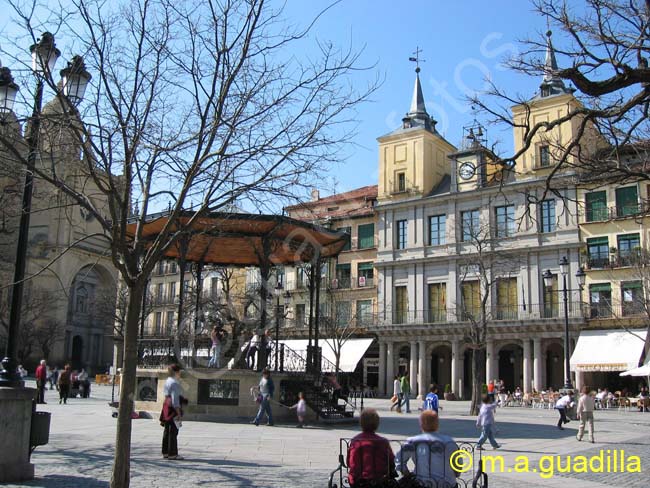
(240, 240)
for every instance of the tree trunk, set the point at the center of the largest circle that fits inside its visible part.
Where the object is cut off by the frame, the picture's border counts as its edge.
(122, 460)
(478, 375)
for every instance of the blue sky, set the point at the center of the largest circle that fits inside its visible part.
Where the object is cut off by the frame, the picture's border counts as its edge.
(462, 42)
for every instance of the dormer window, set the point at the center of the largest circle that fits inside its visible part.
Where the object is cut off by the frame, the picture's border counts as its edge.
(401, 182)
(544, 156)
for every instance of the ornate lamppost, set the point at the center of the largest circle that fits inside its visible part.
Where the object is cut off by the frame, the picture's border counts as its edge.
(75, 79)
(548, 283)
(277, 291)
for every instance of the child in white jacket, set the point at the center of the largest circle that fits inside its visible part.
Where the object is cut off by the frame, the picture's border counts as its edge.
(301, 410)
(485, 422)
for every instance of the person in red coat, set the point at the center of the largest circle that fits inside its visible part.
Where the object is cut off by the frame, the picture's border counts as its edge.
(370, 457)
(41, 379)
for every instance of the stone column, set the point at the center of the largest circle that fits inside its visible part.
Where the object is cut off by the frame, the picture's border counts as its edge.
(489, 361)
(381, 386)
(537, 364)
(390, 368)
(527, 360)
(422, 370)
(455, 353)
(15, 424)
(579, 380)
(413, 365)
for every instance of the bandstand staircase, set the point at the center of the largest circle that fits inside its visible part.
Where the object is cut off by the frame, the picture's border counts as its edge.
(319, 394)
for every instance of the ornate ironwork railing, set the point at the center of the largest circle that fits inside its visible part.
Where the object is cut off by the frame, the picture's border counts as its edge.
(155, 353)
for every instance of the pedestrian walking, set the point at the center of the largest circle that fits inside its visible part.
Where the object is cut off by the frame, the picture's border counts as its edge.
(397, 394)
(406, 391)
(215, 351)
(268, 348)
(41, 379)
(22, 372)
(171, 416)
(54, 378)
(84, 383)
(586, 407)
(253, 346)
(267, 388)
(561, 406)
(301, 410)
(485, 422)
(431, 400)
(491, 389)
(65, 380)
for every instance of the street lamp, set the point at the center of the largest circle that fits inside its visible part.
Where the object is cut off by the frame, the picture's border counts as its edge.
(277, 291)
(8, 91)
(548, 283)
(44, 56)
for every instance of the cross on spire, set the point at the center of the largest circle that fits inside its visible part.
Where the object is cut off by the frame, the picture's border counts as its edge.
(416, 59)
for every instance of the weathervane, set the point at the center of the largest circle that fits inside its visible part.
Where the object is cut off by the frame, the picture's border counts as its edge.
(416, 59)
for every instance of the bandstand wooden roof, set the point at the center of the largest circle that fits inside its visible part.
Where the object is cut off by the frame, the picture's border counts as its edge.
(239, 239)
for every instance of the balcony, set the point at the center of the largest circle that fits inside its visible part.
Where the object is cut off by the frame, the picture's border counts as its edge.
(618, 260)
(616, 212)
(347, 282)
(341, 282)
(495, 314)
(623, 211)
(605, 310)
(598, 262)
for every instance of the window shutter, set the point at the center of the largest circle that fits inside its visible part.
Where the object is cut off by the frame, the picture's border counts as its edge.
(366, 238)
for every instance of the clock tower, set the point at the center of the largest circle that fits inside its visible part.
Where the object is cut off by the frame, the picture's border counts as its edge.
(473, 165)
(413, 158)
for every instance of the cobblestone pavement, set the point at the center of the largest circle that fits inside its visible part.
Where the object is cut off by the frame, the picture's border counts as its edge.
(239, 455)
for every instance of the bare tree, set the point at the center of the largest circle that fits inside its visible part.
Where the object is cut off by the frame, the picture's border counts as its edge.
(38, 331)
(604, 47)
(194, 104)
(339, 325)
(480, 271)
(47, 334)
(112, 308)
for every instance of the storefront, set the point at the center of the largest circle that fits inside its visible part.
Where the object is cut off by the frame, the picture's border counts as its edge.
(601, 355)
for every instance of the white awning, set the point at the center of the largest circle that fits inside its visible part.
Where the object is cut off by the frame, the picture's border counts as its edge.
(608, 350)
(352, 351)
(640, 371)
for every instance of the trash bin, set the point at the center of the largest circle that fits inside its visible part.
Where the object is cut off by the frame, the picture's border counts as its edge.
(40, 430)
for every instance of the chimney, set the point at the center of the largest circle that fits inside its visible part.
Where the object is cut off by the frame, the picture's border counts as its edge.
(315, 195)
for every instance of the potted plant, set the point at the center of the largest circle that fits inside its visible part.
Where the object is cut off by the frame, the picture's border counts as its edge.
(449, 395)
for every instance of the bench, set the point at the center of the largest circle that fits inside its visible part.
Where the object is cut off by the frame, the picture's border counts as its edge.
(404, 474)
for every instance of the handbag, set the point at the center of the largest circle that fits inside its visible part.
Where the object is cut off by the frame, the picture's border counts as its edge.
(393, 399)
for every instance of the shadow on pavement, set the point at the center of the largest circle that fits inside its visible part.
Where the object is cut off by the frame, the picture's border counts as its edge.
(466, 428)
(67, 481)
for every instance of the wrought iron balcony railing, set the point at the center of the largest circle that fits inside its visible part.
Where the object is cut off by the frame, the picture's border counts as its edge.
(494, 313)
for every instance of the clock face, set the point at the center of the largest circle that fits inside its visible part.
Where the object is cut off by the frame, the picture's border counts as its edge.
(466, 171)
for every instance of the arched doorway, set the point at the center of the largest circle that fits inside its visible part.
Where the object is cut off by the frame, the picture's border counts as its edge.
(554, 366)
(441, 366)
(92, 315)
(76, 355)
(510, 366)
(403, 360)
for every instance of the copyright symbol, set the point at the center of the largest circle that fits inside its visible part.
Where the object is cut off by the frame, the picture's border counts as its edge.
(461, 461)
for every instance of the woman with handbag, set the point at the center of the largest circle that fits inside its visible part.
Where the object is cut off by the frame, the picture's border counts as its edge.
(171, 415)
(65, 380)
(397, 394)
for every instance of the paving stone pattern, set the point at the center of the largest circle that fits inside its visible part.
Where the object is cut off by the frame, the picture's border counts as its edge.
(237, 454)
